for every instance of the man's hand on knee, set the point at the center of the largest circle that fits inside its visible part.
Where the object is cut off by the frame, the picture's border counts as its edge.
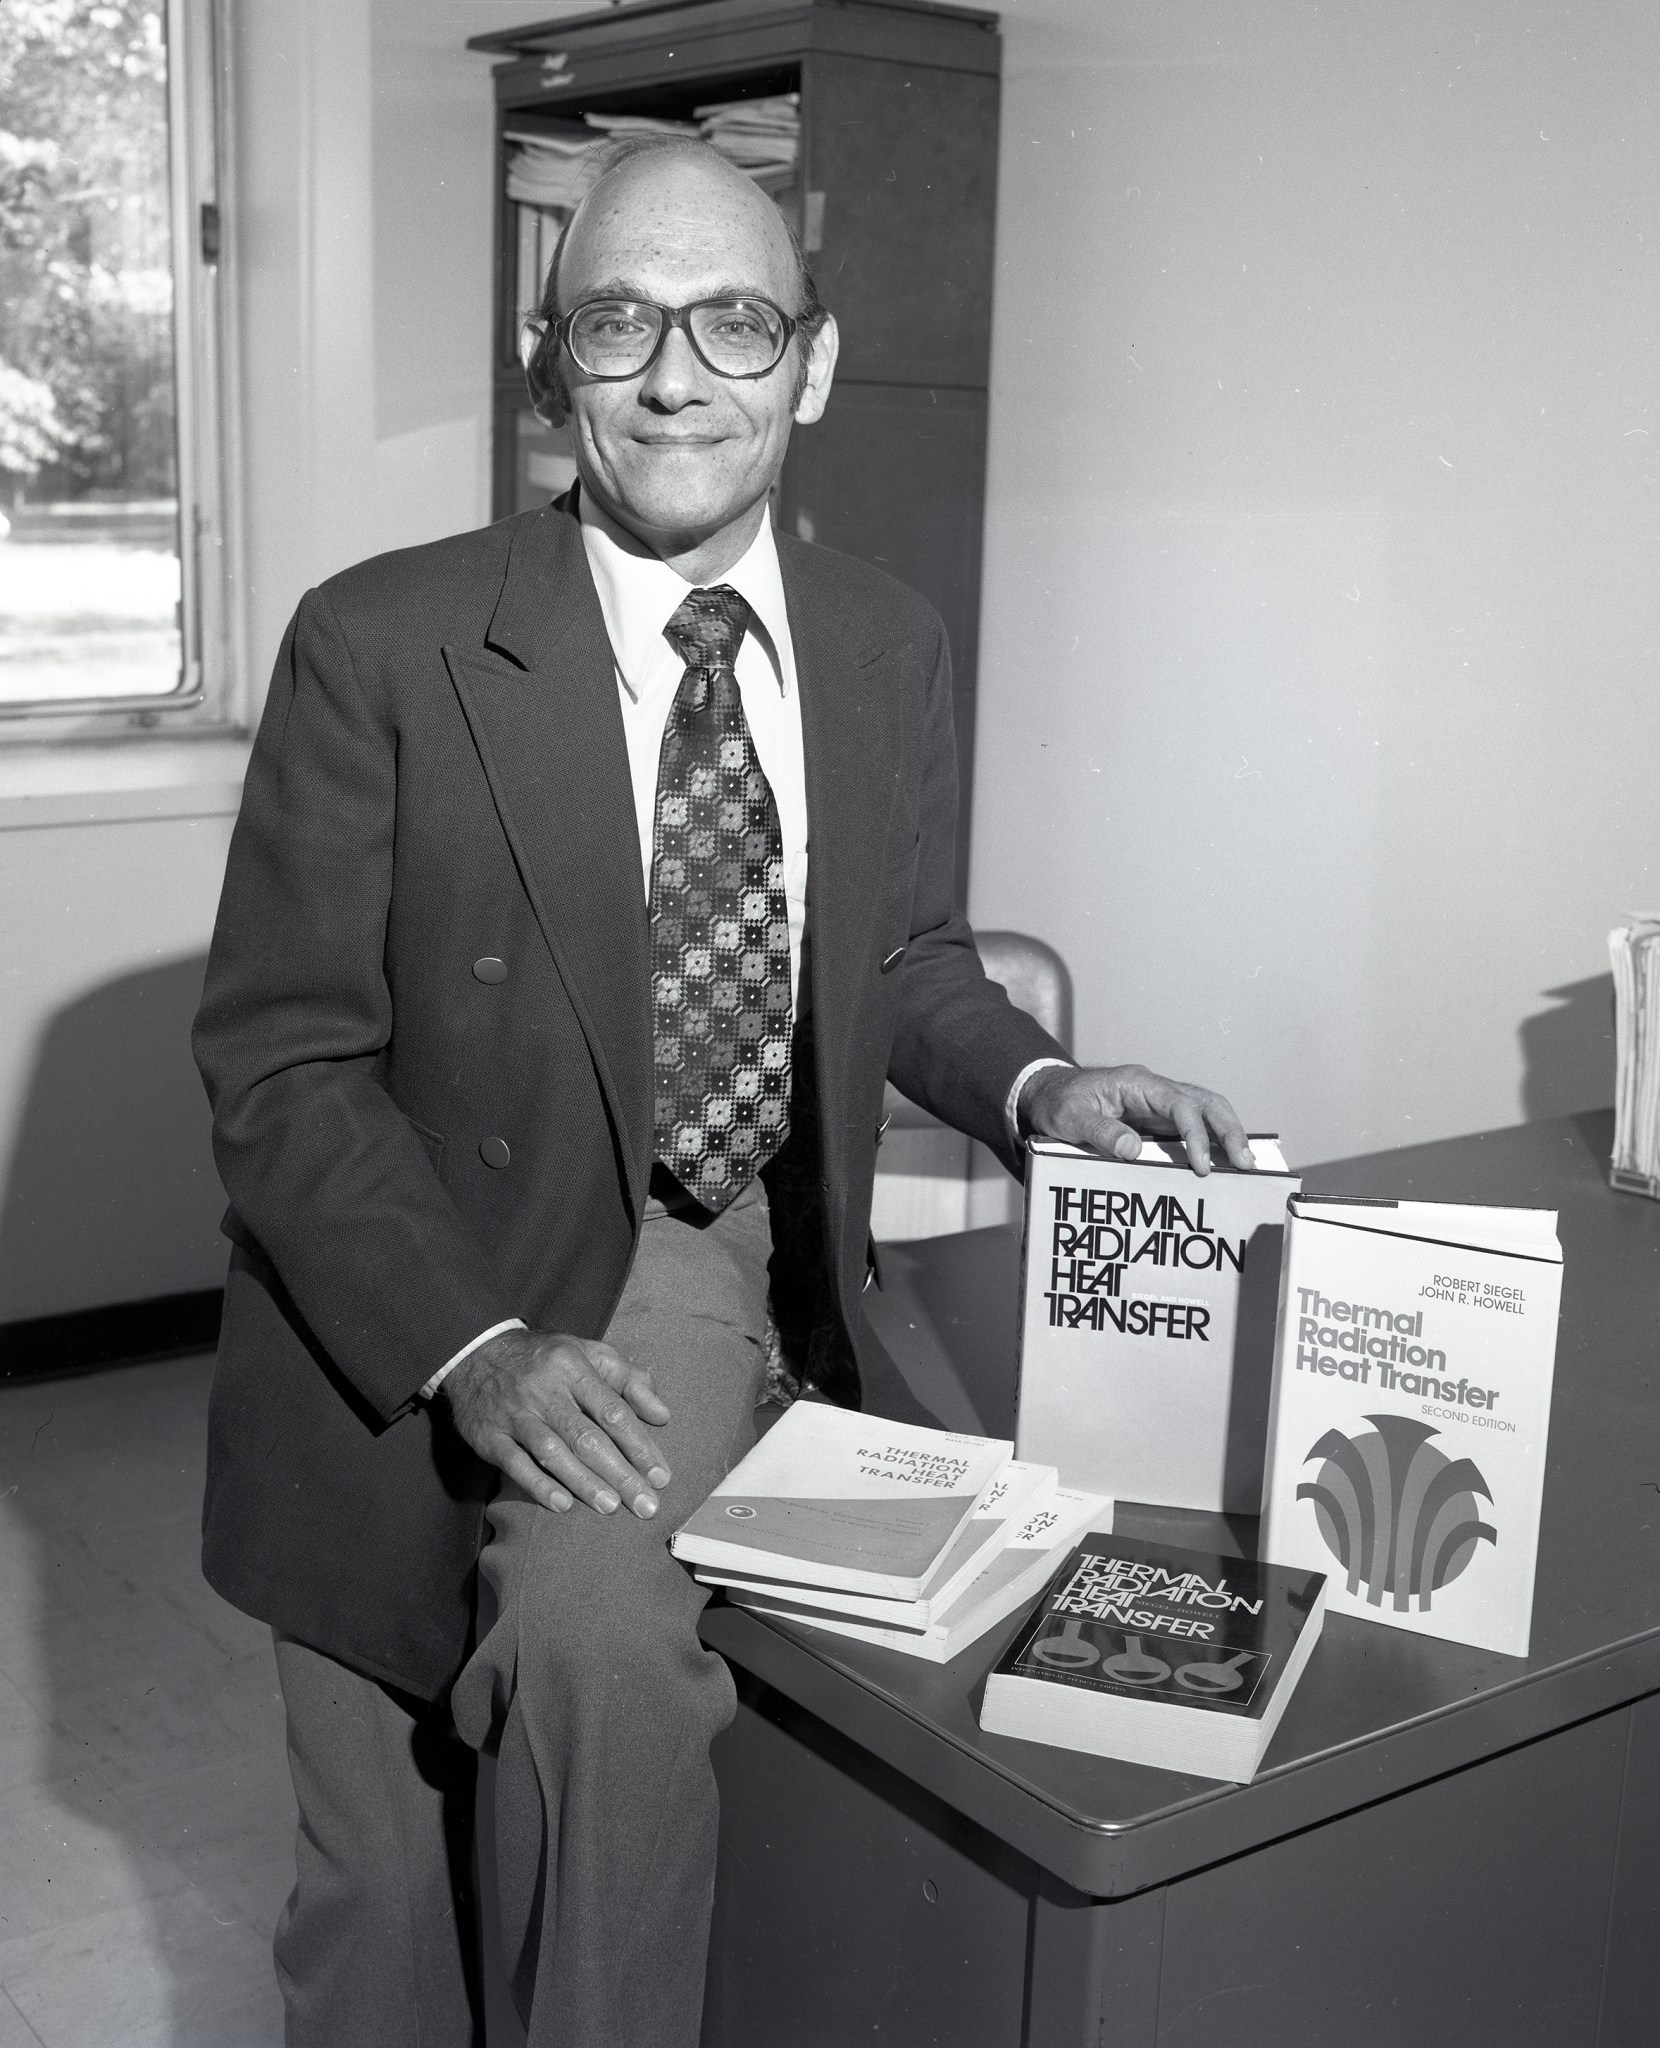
(561, 1416)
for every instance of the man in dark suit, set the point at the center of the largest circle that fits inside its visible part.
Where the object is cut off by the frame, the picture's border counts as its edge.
(546, 1089)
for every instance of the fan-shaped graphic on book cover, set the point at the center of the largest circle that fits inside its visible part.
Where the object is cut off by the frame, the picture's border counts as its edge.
(1397, 1514)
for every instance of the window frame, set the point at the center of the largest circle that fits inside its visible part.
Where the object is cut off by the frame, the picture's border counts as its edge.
(213, 699)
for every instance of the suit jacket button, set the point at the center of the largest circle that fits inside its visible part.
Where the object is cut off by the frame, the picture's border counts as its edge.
(489, 969)
(494, 1152)
(893, 959)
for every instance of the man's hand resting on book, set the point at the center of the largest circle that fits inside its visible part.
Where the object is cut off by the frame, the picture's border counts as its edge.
(1101, 1108)
(561, 1417)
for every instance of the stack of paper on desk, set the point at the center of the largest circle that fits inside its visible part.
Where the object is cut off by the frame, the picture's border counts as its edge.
(834, 1499)
(1634, 952)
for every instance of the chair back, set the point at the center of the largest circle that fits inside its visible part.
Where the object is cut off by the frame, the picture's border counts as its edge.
(1035, 976)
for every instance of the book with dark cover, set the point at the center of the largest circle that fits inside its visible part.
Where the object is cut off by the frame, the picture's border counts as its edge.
(1181, 1659)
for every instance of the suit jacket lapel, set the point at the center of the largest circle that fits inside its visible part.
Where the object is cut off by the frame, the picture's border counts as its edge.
(853, 721)
(542, 707)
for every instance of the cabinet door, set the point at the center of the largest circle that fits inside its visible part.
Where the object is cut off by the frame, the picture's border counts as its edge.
(894, 474)
(906, 159)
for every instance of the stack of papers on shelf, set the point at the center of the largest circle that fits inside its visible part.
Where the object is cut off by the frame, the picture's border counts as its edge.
(758, 135)
(1634, 950)
(550, 169)
(640, 124)
(917, 1538)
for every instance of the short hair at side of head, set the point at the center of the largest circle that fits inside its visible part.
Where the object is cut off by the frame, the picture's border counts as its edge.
(546, 375)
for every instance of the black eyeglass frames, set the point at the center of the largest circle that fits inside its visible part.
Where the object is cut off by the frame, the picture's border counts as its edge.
(614, 339)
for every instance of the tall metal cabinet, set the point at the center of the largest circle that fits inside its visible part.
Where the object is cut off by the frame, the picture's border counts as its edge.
(895, 198)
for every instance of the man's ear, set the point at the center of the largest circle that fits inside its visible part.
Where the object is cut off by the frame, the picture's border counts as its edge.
(539, 354)
(821, 370)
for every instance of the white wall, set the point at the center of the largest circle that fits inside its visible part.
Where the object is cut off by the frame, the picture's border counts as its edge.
(362, 235)
(366, 155)
(1318, 710)
(1318, 703)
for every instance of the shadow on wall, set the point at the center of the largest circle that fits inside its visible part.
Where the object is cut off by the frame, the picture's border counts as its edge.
(1568, 1051)
(110, 1194)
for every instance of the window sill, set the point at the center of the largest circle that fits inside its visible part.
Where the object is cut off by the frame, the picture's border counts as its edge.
(101, 785)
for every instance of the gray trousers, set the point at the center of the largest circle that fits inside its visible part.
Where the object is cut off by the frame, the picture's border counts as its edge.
(598, 1703)
(376, 1945)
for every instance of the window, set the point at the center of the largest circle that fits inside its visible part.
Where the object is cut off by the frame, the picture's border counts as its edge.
(114, 558)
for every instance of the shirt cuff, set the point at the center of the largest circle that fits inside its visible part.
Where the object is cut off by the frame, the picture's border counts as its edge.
(466, 1351)
(1011, 1104)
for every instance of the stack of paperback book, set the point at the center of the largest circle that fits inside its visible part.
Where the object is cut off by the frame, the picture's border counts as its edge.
(915, 1538)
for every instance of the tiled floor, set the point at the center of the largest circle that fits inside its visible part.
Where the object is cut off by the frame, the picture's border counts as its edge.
(146, 1819)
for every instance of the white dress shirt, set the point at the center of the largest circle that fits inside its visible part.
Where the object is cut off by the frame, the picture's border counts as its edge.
(638, 594)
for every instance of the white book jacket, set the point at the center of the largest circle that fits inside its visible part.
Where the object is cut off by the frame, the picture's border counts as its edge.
(1414, 1355)
(1147, 1322)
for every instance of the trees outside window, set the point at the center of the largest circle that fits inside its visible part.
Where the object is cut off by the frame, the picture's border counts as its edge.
(110, 442)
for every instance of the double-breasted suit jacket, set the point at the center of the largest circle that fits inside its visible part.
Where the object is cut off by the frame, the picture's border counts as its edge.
(426, 1033)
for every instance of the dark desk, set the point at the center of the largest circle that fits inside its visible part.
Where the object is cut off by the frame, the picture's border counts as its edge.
(1443, 1846)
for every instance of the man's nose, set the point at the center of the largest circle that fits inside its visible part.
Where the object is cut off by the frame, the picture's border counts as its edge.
(677, 378)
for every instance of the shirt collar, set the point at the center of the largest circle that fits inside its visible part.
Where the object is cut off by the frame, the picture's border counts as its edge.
(639, 593)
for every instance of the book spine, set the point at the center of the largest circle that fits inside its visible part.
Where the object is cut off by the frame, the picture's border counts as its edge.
(1034, 1172)
(529, 243)
(1282, 1324)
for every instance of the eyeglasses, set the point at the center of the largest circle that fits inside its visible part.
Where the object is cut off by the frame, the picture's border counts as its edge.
(613, 339)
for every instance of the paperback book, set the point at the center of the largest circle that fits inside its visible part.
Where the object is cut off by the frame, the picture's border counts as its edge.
(835, 1498)
(1412, 1387)
(1180, 1659)
(1013, 1575)
(1008, 1497)
(1147, 1321)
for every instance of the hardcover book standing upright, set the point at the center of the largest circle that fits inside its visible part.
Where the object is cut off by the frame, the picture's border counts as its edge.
(1147, 1322)
(1412, 1386)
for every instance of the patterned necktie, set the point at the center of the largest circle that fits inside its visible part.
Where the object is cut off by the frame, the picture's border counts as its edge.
(720, 931)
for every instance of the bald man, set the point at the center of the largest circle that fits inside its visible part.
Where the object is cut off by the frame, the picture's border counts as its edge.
(595, 871)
